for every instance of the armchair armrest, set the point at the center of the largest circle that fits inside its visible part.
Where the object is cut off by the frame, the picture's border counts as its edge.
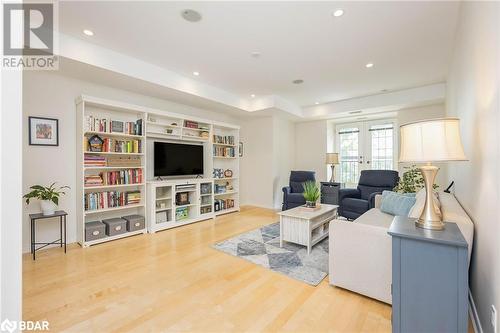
(287, 190)
(372, 202)
(348, 193)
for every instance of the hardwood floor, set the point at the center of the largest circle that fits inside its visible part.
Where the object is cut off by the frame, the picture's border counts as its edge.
(174, 281)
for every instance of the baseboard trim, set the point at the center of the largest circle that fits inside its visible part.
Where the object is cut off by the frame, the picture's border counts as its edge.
(476, 323)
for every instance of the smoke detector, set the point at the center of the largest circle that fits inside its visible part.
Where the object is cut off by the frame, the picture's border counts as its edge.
(191, 15)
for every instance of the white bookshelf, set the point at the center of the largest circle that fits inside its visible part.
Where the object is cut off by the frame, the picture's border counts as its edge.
(158, 125)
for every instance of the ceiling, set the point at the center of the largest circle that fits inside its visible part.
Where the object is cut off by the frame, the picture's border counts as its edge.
(409, 43)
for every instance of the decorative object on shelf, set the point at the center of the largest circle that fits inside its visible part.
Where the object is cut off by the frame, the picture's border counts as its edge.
(169, 131)
(182, 198)
(218, 173)
(311, 194)
(332, 159)
(229, 187)
(48, 196)
(206, 188)
(219, 189)
(240, 149)
(95, 143)
(116, 126)
(43, 131)
(204, 134)
(228, 173)
(412, 181)
(181, 213)
(427, 141)
(174, 124)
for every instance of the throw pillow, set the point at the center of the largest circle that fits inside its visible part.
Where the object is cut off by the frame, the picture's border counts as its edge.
(420, 203)
(397, 204)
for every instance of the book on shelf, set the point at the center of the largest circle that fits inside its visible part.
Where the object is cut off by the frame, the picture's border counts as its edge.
(110, 199)
(117, 146)
(224, 151)
(108, 125)
(224, 139)
(119, 177)
(222, 204)
(94, 161)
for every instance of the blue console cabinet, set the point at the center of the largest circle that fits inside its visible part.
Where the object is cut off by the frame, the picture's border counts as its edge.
(429, 278)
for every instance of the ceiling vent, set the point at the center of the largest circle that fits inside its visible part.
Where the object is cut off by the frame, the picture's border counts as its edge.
(191, 15)
(355, 112)
(298, 81)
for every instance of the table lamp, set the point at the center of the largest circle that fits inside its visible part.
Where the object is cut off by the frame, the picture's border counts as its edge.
(435, 140)
(332, 159)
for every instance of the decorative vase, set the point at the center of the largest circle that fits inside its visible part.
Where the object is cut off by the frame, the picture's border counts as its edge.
(48, 207)
(310, 204)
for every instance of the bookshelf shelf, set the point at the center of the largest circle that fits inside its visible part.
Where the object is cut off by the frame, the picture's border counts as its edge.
(112, 186)
(115, 134)
(225, 193)
(226, 157)
(89, 212)
(224, 145)
(112, 168)
(111, 153)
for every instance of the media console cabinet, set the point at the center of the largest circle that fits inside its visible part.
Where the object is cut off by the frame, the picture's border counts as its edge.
(128, 132)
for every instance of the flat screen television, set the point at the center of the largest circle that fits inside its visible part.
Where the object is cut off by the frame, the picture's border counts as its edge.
(175, 159)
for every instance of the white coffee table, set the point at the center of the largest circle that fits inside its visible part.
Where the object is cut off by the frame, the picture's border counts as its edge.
(306, 227)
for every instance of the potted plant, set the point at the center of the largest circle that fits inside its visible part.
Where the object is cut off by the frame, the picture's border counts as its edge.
(48, 196)
(412, 181)
(311, 193)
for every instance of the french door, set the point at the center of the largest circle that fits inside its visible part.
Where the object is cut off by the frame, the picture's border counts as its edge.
(364, 146)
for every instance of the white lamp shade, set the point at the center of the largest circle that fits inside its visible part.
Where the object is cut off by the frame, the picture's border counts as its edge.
(432, 140)
(332, 158)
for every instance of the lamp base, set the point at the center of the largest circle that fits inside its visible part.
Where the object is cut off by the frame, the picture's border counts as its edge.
(332, 178)
(429, 219)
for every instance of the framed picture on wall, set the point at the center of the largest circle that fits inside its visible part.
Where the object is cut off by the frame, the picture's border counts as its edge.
(43, 131)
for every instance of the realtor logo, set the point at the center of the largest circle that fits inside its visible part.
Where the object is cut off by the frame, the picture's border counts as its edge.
(28, 37)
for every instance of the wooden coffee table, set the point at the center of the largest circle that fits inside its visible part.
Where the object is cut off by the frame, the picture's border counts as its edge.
(304, 226)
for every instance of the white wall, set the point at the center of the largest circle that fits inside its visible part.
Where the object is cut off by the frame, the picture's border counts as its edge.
(284, 156)
(473, 96)
(256, 165)
(49, 94)
(311, 147)
(10, 196)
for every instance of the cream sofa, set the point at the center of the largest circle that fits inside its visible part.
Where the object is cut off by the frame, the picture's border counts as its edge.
(360, 256)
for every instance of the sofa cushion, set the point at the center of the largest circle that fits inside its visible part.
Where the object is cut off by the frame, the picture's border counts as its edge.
(375, 217)
(355, 205)
(296, 198)
(397, 204)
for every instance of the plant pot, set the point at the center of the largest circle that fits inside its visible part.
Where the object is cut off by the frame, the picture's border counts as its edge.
(48, 207)
(311, 204)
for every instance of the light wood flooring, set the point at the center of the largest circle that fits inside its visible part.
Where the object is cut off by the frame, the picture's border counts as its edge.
(174, 281)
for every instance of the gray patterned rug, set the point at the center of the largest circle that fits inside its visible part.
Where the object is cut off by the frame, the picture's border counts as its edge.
(262, 247)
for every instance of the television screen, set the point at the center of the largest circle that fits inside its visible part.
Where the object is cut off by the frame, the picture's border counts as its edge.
(175, 159)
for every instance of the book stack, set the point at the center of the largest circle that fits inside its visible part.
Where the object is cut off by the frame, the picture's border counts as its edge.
(94, 161)
(121, 146)
(93, 180)
(221, 204)
(224, 140)
(224, 151)
(110, 199)
(107, 125)
(131, 176)
(124, 161)
(190, 124)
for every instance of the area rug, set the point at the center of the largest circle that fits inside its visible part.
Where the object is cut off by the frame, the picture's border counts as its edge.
(262, 247)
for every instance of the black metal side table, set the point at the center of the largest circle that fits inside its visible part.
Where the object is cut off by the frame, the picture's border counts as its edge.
(61, 241)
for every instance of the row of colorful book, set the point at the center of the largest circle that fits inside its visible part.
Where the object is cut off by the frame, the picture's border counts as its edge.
(116, 146)
(221, 204)
(224, 139)
(110, 199)
(107, 125)
(121, 177)
(224, 151)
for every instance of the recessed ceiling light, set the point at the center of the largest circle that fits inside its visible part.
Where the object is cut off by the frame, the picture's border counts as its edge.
(298, 81)
(196, 73)
(316, 103)
(88, 32)
(369, 65)
(252, 95)
(191, 15)
(338, 12)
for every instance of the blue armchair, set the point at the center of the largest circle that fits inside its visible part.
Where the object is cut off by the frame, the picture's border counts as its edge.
(292, 194)
(354, 202)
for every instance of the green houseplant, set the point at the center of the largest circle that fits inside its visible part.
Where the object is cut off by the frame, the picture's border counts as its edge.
(311, 193)
(412, 181)
(48, 196)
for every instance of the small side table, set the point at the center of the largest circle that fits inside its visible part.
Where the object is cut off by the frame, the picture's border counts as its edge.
(330, 192)
(61, 241)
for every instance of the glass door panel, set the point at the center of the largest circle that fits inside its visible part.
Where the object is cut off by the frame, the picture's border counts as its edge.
(381, 142)
(349, 138)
